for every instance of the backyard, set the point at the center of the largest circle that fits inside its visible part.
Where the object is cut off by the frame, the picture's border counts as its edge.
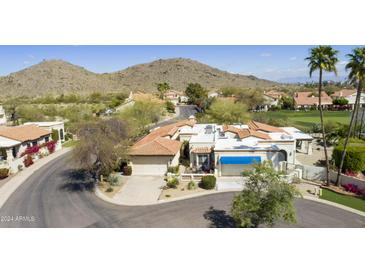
(305, 119)
(350, 201)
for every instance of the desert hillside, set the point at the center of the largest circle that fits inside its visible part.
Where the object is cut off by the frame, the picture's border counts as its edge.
(57, 76)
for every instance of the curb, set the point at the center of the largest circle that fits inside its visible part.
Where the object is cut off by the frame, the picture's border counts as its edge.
(103, 197)
(352, 210)
(19, 178)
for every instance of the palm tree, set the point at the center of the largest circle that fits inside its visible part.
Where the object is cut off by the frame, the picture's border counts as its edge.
(322, 58)
(356, 66)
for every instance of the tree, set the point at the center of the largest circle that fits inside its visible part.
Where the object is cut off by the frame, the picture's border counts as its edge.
(287, 102)
(265, 199)
(170, 107)
(225, 111)
(102, 144)
(340, 101)
(197, 95)
(251, 98)
(322, 58)
(356, 76)
(162, 88)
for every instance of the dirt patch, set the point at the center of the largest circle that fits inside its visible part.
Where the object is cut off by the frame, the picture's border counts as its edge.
(104, 186)
(181, 190)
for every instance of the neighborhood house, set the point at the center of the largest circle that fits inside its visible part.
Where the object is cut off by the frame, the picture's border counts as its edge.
(308, 99)
(225, 150)
(350, 96)
(271, 99)
(21, 145)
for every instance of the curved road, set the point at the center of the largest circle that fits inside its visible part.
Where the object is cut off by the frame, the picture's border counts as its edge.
(57, 196)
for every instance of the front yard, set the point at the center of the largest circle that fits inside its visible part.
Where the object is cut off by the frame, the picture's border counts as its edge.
(182, 190)
(346, 200)
(109, 189)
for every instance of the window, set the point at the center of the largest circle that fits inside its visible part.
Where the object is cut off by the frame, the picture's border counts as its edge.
(46, 139)
(14, 151)
(61, 134)
(34, 143)
(28, 144)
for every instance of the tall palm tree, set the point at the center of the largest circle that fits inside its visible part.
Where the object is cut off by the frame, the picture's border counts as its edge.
(322, 58)
(356, 66)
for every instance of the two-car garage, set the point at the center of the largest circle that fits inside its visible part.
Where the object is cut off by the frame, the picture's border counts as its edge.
(235, 165)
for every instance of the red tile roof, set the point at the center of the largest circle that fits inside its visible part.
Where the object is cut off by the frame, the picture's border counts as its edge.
(158, 141)
(274, 94)
(344, 93)
(307, 98)
(244, 133)
(23, 133)
(263, 127)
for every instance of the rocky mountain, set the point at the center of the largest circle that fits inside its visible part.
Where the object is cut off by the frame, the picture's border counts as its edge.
(57, 76)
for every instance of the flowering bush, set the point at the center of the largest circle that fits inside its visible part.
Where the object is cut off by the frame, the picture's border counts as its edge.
(351, 173)
(51, 146)
(352, 188)
(30, 150)
(28, 161)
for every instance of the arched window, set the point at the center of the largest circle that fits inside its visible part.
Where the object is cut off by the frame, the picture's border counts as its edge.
(61, 134)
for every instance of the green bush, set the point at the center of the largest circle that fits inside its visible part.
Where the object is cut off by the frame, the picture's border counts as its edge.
(172, 183)
(192, 185)
(170, 107)
(208, 182)
(55, 135)
(355, 155)
(109, 189)
(113, 180)
(127, 171)
(4, 172)
(173, 169)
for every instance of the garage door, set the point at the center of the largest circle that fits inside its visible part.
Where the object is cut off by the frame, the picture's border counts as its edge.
(149, 165)
(234, 170)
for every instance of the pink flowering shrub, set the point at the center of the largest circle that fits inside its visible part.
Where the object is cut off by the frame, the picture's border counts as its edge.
(31, 150)
(51, 146)
(351, 173)
(354, 189)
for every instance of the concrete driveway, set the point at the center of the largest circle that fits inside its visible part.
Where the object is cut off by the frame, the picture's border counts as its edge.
(140, 190)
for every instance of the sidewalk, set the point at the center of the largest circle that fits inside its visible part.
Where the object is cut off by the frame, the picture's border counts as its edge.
(10, 186)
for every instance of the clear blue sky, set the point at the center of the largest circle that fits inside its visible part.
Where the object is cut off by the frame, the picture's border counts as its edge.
(270, 62)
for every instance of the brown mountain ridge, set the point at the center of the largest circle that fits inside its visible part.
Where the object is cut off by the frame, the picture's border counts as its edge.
(57, 76)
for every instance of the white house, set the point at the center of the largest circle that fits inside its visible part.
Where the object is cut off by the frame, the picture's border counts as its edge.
(2, 116)
(225, 150)
(59, 126)
(350, 95)
(271, 99)
(17, 142)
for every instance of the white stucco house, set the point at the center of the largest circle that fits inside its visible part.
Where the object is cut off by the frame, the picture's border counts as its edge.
(271, 99)
(225, 150)
(350, 95)
(17, 142)
(2, 116)
(59, 126)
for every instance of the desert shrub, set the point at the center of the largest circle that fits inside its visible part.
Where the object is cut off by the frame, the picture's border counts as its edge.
(127, 170)
(109, 189)
(208, 182)
(173, 169)
(28, 161)
(4, 172)
(68, 136)
(354, 158)
(192, 185)
(172, 182)
(170, 107)
(113, 180)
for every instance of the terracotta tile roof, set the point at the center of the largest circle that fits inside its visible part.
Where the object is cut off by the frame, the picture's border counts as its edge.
(263, 127)
(158, 146)
(23, 133)
(274, 94)
(158, 141)
(307, 98)
(344, 93)
(244, 133)
(202, 150)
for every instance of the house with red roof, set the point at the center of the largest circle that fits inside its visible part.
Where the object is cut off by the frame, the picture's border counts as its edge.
(225, 150)
(308, 99)
(350, 96)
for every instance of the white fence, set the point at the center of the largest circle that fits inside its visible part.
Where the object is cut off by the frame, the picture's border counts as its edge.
(314, 173)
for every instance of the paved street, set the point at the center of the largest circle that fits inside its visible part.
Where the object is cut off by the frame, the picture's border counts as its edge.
(57, 196)
(184, 112)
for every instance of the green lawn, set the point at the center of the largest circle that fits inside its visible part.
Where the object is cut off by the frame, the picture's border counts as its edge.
(306, 119)
(70, 143)
(353, 202)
